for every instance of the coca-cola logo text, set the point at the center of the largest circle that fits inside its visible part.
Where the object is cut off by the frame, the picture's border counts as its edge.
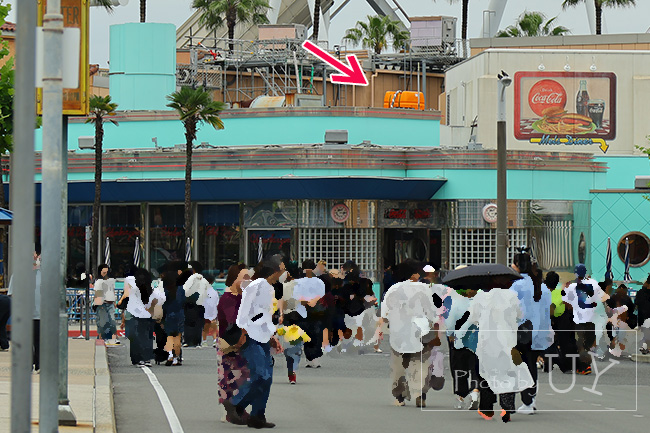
(546, 94)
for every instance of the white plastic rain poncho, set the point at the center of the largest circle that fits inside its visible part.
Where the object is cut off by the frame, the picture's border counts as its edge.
(409, 309)
(197, 284)
(496, 313)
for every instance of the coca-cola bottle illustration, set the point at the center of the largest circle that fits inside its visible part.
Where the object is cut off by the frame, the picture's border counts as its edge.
(582, 99)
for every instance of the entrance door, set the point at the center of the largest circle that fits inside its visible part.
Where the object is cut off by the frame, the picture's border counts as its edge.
(274, 241)
(402, 244)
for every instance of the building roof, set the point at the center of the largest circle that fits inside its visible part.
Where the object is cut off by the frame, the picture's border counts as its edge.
(8, 27)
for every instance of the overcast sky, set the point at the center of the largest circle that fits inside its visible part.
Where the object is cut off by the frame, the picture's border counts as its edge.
(627, 20)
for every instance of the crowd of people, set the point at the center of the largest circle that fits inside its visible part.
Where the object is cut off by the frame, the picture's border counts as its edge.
(499, 330)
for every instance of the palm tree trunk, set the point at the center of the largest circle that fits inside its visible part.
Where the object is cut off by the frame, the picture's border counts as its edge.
(599, 18)
(189, 134)
(231, 21)
(99, 137)
(463, 28)
(316, 21)
(143, 11)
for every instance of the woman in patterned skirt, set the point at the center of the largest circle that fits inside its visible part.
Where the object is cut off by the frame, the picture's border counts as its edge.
(231, 366)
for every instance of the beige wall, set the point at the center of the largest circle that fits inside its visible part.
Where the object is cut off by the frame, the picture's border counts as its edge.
(472, 86)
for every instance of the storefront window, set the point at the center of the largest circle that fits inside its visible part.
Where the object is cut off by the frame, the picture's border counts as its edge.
(78, 218)
(219, 237)
(272, 241)
(122, 224)
(166, 233)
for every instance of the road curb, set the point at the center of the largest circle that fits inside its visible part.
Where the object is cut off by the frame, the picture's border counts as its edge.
(103, 405)
(641, 358)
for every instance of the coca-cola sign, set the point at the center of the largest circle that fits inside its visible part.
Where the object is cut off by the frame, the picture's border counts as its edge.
(546, 94)
(563, 111)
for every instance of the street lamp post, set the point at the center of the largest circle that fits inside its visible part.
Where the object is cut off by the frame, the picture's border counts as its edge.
(502, 180)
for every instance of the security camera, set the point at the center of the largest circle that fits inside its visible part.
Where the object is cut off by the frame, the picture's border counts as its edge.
(505, 80)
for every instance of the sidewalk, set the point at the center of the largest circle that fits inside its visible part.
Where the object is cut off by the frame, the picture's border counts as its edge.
(89, 389)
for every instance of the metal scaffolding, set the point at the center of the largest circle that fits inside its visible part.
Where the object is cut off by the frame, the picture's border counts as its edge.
(243, 70)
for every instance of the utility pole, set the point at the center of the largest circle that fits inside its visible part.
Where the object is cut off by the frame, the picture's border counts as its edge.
(22, 203)
(502, 171)
(52, 192)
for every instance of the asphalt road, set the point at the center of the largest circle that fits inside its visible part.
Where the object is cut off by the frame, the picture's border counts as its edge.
(352, 394)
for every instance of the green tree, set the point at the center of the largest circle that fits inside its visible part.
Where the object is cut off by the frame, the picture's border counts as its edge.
(316, 26)
(600, 4)
(194, 107)
(376, 33)
(533, 24)
(101, 110)
(214, 13)
(6, 117)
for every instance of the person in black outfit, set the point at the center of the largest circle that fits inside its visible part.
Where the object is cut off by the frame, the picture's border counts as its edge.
(642, 302)
(194, 314)
(5, 312)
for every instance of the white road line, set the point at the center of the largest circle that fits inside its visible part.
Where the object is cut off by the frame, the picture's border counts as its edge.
(174, 423)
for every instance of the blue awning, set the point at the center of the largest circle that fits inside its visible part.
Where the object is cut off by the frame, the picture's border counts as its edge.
(286, 188)
(6, 216)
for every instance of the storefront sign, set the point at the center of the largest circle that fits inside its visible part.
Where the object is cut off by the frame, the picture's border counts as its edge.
(340, 213)
(396, 214)
(75, 15)
(565, 108)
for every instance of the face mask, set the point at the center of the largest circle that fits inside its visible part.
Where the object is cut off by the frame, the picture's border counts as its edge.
(244, 284)
(318, 272)
(283, 277)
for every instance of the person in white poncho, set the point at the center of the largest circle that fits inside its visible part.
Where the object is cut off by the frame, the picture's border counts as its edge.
(195, 294)
(409, 310)
(501, 369)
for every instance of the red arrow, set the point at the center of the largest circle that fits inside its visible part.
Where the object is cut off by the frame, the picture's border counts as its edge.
(352, 75)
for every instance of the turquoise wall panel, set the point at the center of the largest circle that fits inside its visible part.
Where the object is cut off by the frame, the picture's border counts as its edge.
(142, 65)
(258, 131)
(613, 215)
(623, 169)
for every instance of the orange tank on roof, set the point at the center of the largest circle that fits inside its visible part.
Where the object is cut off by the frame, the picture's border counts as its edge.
(404, 99)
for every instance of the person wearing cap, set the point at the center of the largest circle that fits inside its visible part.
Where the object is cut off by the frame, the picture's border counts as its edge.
(409, 310)
(583, 296)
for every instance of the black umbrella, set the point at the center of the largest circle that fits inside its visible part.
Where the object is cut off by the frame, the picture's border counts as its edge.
(479, 275)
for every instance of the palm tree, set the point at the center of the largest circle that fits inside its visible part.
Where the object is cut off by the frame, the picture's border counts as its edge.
(143, 11)
(533, 24)
(193, 106)
(376, 32)
(316, 26)
(217, 12)
(101, 108)
(600, 4)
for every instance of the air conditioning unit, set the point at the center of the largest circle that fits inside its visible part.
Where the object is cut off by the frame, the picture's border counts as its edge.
(183, 75)
(87, 142)
(336, 136)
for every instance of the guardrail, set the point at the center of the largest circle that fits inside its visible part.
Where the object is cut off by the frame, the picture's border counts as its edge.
(75, 302)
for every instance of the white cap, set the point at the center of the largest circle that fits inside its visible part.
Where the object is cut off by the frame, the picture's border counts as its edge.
(428, 269)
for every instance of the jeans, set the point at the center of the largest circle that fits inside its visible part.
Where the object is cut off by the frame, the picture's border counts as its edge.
(292, 355)
(5, 312)
(255, 391)
(106, 321)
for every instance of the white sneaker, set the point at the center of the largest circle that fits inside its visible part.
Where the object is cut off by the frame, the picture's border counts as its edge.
(474, 400)
(459, 402)
(205, 344)
(327, 349)
(525, 409)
